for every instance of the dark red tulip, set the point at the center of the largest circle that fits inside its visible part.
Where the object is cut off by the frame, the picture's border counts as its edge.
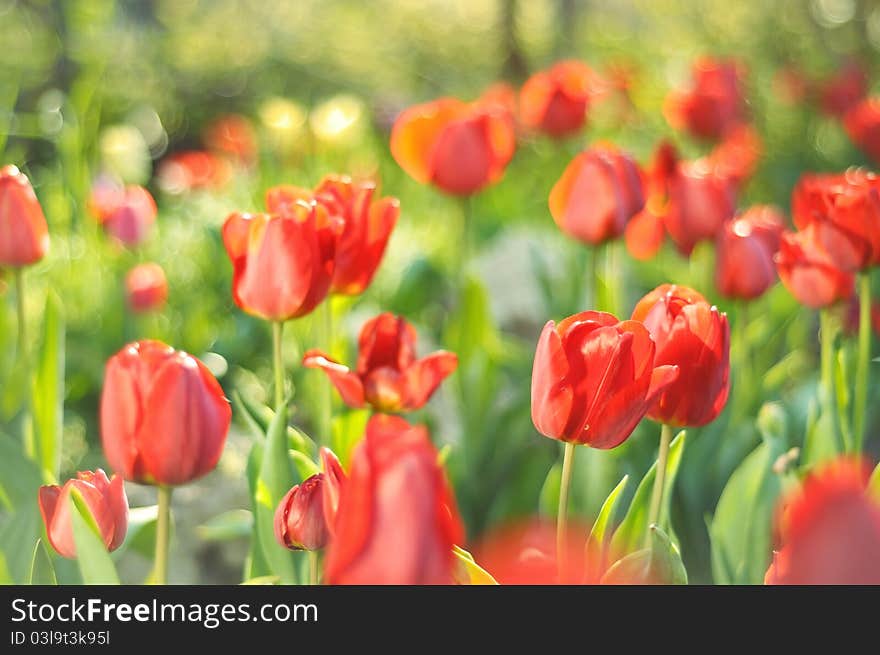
(862, 124)
(746, 247)
(164, 417)
(700, 201)
(283, 262)
(714, 102)
(388, 376)
(146, 288)
(397, 519)
(809, 272)
(368, 222)
(334, 478)
(593, 379)
(232, 135)
(24, 235)
(830, 529)
(693, 335)
(299, 519)
(599, 192)
(843, 90)
(126, 213)
(193, 170)
(458, 147)
(105, 500)
(845, 212)
(555, 101)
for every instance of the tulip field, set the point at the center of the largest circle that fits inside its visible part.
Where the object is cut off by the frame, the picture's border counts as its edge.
(444, 292)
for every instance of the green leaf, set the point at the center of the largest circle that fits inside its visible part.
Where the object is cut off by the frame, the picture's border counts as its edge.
(348, 429)
(243, 412)
(275, 479)
(597, 542)
(20, 477)
(141, 534)
(234, 524)
(255, 565)
(262, 580)
(48, 391)
(304, 465)
(257, 418)
(659, 564)
(42, 571)
(630, 535)
(95, 564)
(469, 572)
(874, 483)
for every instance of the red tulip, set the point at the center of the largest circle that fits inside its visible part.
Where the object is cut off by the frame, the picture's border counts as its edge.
(745, 250)
(713, 104)
(126, 213)
(695, 336)
(105, 500)
(146, 288)
(843, 90)
(193, 170)
(845, 210)
(283, 262)
(862, 123)
(700, 201)
(388, 376)
(458, 147)
(830, 530)
(299, 519)
(232, 135)
(164, 418)
(790, 85)
(368, 222)
(24, 235)
(555, 101)
(736, 156)
(334, 478)
(503, 96)
(599, 192)
(397, 520)
(645, 231)
(808, 271)
(594, 378)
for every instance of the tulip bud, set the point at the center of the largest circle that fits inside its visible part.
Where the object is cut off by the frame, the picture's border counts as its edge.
(334, 478)
(24, 236)
(127, 214)
(164, 417)
(146, 288)
(712, 105)
(299, 518)
(862, 124)
(700, 201)
(844, 89)
(234, 136)
(193, 170)
(809, 272)
(105, 500)
(746, 247)
(555, 101)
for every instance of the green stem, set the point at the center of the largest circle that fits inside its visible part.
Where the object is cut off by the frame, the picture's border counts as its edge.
(163, 536)
(465, 247)
(22, 318)
(827, 395)
(593, 282)
(660, 475)
(313, 567)
(562, 515)
(864, 361)
(325, 329)
(278, 363)
(611, 279)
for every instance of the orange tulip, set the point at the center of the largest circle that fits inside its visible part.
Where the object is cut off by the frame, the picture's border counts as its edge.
(555, 101)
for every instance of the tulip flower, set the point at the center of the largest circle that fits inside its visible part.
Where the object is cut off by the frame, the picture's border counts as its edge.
(388, 377)
(862, 124)
(24, 236)
(299, 519)
(397, 520)
(164, 417)
(232, 135)
(809, 272)
(693, 335)
(126, 213)
(193, 170)
(830, 529)
(599, 192)
(283, 261)
(456, 146)
(745, 251)
(645, 231)
(555, 101)
(714, 102)
(736, 156)
(593, 379)
(843, 90)
(103, 497)
(334, 478)
(368, 222)
(146, 288)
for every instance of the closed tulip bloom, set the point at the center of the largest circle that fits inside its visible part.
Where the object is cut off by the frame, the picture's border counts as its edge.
(693, 335)
(736, 156)
(299, 519)
(862, 124)
(367, 224)
(555, 101)
(334, 478)
(126, 213)
(714, 102)
(103, 497)
(845, 210)
(458, 147)
(388, 377)
(597, 195)
(283, 261)
(830, 529)
(646, 230)
(809, 272)
(397, 519)
(593, 379)
(746, 247)
(193, 170)
(164, 417)
(24, 235)
(844, 89)
(232, 135)
(146, 288)
(700, 201)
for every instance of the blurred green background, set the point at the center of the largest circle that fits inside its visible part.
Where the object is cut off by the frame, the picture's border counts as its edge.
(88, 86)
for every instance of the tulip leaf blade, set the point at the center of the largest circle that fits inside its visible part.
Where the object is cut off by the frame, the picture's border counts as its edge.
(597, 542)
(659, 563)
(233, 524)
(874, 483)
(42, 571)
(141, 534)
(630, 534)
(95, 564)
(48, 391)
(243, 411)
(468, 571)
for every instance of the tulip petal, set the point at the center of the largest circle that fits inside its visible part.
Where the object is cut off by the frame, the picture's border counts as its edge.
(348, 384)
(552, 393)
(644, 235)
(425, 375)
(415, 132)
